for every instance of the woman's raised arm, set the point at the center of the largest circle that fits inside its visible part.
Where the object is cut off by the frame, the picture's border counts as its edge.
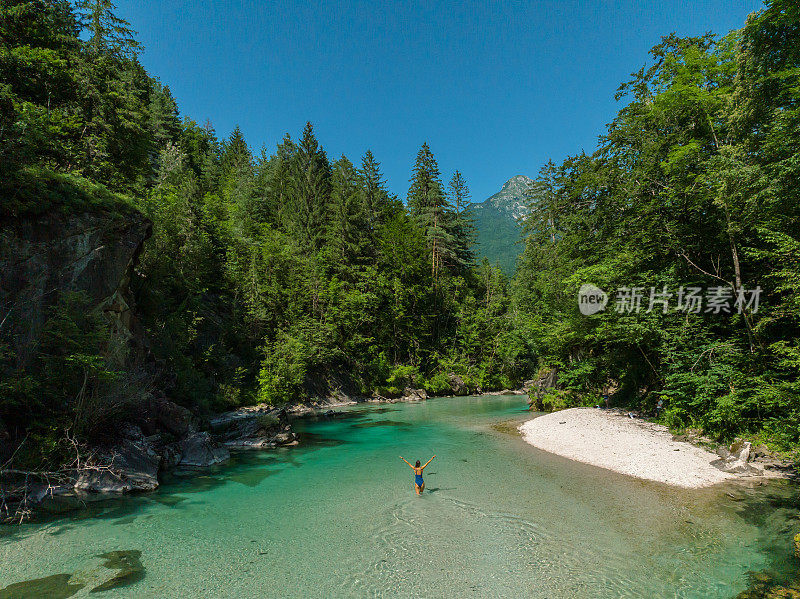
(407, 462)
(429, 461)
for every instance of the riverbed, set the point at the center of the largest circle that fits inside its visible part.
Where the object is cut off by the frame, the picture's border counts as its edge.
(337, 516)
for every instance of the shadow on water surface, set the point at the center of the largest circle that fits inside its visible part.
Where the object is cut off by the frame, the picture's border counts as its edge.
(336, 416)
(252, 477)
(168, 500)
(311, 441)
(62, 518)
(197, 483)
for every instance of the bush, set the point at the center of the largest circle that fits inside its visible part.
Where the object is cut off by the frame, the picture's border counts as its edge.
(34, 191)
(230, 394)
(559, 399)
(283, 371)
(438, 384)
(403, 376)
(675, 418)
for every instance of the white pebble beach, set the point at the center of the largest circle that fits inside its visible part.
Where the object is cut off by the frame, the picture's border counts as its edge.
(611, 440)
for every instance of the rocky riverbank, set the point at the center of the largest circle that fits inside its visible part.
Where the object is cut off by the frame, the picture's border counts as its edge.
(167, 437)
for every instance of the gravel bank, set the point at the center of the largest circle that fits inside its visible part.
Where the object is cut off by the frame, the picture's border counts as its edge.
(611, 440)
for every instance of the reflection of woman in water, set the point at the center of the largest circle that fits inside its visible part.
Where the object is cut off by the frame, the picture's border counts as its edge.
(419, 484)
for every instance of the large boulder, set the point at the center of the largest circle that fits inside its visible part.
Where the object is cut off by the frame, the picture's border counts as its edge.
(410, 394)
(736, 460)
(249, 428)
(537, 388)
(162, 414)
(740, 450)
(199, 450)
(130, 466)
(457, 384)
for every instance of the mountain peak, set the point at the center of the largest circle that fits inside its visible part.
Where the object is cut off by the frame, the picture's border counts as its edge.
(511, 197)
(497, 222)
(517, 181)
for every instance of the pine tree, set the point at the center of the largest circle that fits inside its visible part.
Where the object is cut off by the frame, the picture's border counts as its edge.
(235, 152)
(348, 231)
(431, 210)
(278, 183)
(38, 48)
(107, 32)
(237, 182)
(376, 197)
(426, 186)
(165, 125)
(309, 191)
(463, 225)
(544, 206)
(202, 151)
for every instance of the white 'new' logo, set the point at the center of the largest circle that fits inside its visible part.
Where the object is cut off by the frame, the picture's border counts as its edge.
(591, 299)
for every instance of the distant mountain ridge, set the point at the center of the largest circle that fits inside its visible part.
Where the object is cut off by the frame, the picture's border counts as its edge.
(497, 223)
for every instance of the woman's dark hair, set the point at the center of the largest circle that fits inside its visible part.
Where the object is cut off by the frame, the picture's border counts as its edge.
(417, 466)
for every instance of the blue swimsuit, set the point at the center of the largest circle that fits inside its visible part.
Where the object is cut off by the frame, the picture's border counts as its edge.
(418, 480)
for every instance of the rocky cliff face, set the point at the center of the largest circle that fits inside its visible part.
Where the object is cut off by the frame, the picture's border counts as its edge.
(95, 253)
(42, 257)
(497, 223)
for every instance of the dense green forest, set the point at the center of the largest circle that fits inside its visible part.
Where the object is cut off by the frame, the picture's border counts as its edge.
(270, 276)
(696, 183)
(281, 274)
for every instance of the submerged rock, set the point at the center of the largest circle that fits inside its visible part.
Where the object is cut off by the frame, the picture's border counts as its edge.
(57, 586)
(126, 569)
(128, 566)
(764, 586)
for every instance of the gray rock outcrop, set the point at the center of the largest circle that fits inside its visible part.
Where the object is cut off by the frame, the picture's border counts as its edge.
(199, 450)
(736, 459)
(92, 253)
(410, 394)
(253, 428)
(457, 384)
(128, 467)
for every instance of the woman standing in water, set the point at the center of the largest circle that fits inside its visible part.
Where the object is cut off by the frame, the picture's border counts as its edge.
(419, 484)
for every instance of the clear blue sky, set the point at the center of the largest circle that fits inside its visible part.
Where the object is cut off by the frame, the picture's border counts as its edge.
(496, 89)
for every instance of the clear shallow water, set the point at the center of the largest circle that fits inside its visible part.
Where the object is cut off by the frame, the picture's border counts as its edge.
(337, 516)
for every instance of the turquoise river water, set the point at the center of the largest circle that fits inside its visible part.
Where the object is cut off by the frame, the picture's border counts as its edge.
(337, 517)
